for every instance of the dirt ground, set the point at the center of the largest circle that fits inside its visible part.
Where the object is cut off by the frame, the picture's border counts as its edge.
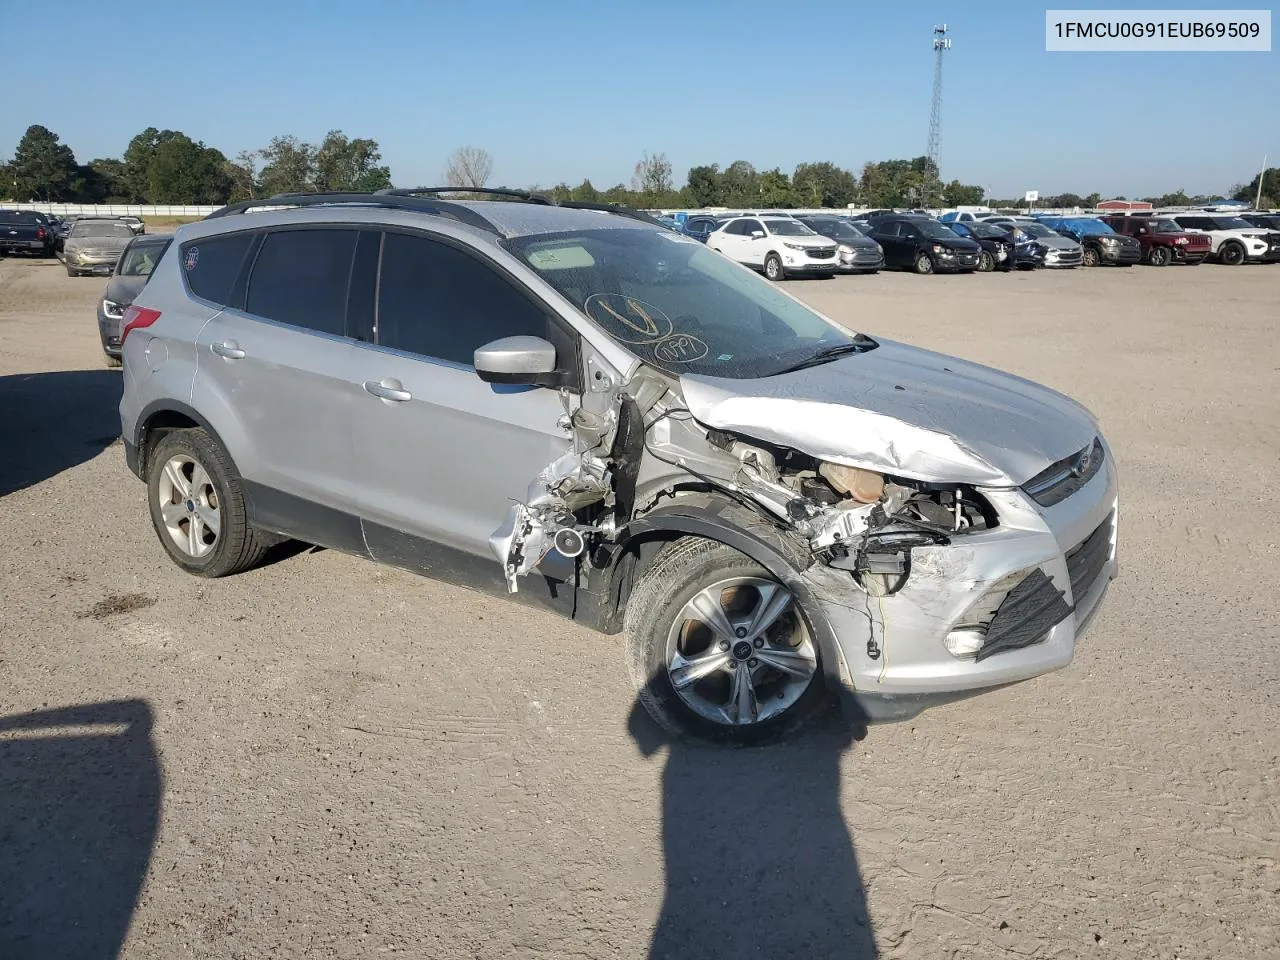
(327, 758)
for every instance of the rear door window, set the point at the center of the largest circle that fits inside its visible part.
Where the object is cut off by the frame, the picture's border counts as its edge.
(212, 264)
(301, 277)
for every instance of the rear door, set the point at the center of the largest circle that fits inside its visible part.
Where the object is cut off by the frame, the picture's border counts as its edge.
(441, 454)
(890, 237)
(755, 248)
(279, 359)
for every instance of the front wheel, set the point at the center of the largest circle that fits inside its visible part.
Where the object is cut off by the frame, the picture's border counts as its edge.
(197, 506)
(986, 262)
(773, 267)
(924, 264)
(1159, 257)
(719, 650)
(1232, 254)
(1091, 258)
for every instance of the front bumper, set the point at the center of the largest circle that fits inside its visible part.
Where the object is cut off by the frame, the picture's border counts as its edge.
(959, 263)
(908, 668)
(1186, 254)
(1122, 255)
(109, 333)
(1057, 257)
(860, 261)
(810, 266)
(94, 263)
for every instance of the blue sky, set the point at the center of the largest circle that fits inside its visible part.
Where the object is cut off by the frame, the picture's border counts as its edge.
(566, 89)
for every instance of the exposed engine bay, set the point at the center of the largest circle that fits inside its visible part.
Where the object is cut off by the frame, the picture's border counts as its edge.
(643, 447)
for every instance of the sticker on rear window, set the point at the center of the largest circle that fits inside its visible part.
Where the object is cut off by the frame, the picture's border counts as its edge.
(192, 258)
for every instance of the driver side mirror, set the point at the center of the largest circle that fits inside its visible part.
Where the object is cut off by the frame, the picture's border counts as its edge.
(757, 234)
(530, 361)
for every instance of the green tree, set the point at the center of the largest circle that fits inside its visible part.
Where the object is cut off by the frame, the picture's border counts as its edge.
(704, 186)
(775, 189)
(137, 161)
(242, 176)
(43, 168)
(617, 194)
(957, 194)
(1092, 200)
(585, 193)
(343, 164)
(1270, 188)
(652, 175)
(185, 171)
(740, 185)
(823, 184)
(288, 166)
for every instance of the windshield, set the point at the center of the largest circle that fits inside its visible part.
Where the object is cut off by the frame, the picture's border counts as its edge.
(90, 228)
(1233, 223)
(1165, 226)
(837, 229)
(788, 228)
(141, 258)
(19, 216)
(989, 230)
(937, 231)
(1036, 229)
(677, 305)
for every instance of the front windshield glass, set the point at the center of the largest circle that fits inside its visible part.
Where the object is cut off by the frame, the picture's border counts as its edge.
(1036, 229)
(92, 228)
(1165, 226)
(1233, 223)
(839, 230)
(788, 228)
(937, 231)
(676, 304)
(989, 230)
(141, 258)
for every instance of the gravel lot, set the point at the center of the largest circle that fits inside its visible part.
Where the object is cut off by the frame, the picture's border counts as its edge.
(327, 758)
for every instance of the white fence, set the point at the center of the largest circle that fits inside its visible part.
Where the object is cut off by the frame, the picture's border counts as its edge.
(115, 209)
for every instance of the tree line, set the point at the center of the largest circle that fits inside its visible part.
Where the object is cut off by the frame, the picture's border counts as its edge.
(169, 167)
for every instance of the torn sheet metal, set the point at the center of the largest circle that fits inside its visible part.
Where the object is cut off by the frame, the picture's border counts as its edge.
(903, 411)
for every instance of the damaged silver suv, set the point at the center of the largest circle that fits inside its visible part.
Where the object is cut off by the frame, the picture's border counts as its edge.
(575, 406)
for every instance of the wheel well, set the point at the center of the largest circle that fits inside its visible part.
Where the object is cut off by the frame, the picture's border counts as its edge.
(154, 429)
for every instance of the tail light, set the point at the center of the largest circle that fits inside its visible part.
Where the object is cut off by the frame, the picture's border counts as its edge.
(39, 233)
(135, 318)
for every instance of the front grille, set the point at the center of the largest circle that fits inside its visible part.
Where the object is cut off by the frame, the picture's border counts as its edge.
(1086, 560)
(822, 253)
(866, 253)
(1060, 480)
(1032, 608)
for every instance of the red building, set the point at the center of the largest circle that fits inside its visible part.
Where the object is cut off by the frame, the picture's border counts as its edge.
(1124, 205)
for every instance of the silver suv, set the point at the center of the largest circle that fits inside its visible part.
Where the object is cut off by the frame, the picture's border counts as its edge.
(602, 417)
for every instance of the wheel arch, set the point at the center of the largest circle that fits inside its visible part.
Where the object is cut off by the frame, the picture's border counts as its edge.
(159, 418)
(718, 518)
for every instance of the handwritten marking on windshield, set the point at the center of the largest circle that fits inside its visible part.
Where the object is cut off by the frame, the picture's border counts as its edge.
(679, 348)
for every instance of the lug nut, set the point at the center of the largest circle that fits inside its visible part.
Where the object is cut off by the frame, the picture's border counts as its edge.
(724, 645)
(759, 642)
(753, 663)
(733, 664)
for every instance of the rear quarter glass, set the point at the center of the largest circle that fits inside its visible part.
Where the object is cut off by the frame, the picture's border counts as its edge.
(210, 265)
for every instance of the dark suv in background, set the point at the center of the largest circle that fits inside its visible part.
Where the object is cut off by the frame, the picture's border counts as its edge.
(1101, 244)
(1163, 242)
(924, 245)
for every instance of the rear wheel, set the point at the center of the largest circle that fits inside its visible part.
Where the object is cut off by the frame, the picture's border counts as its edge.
(773, 267)
(1231, 253)
(1159, 257)
(718, 649)
(1091, 258)
(924, 264)
(197, 506)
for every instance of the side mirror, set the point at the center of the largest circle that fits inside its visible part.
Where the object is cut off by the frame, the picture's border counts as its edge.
(523, 360)
(757, 234)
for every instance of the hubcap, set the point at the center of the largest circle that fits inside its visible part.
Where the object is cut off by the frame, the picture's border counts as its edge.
(739, 652)
(189, 506)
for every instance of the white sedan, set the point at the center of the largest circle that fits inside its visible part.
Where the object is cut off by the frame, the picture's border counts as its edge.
(780, 246)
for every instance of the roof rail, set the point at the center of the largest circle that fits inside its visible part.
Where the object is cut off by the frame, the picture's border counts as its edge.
(441, 208)
(494, 191)
(614, 208)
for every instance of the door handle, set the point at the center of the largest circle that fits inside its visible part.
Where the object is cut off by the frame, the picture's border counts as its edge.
(229, 349)
(388, 388)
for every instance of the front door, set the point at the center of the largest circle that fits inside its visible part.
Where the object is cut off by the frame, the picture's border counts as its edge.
(442, 454)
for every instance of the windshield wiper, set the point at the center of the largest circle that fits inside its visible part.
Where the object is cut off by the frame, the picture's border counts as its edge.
(859, 344)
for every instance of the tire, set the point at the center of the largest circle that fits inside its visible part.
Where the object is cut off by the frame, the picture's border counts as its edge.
(1090, 258)
(773, 268)
(235, 546)
(986, 262)
(924, 264)
(72, 273)
(1231, 253)
(660, 632)
(113, 361)
(1159, 257)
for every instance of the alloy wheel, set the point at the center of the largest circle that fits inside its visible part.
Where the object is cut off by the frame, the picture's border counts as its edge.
(188, 503)
(739, 652)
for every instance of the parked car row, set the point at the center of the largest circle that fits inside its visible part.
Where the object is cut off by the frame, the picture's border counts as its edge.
(95, 242)
(781, 244)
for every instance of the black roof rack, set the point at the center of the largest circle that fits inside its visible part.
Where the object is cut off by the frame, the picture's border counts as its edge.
(525, 195)
(441, 208)
(614, 208)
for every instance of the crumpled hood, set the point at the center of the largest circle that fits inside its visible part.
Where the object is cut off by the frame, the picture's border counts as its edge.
(904, 411)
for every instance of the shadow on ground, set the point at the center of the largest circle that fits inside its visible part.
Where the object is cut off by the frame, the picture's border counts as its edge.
(50, 422)
(759, 861)
(79, 809)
